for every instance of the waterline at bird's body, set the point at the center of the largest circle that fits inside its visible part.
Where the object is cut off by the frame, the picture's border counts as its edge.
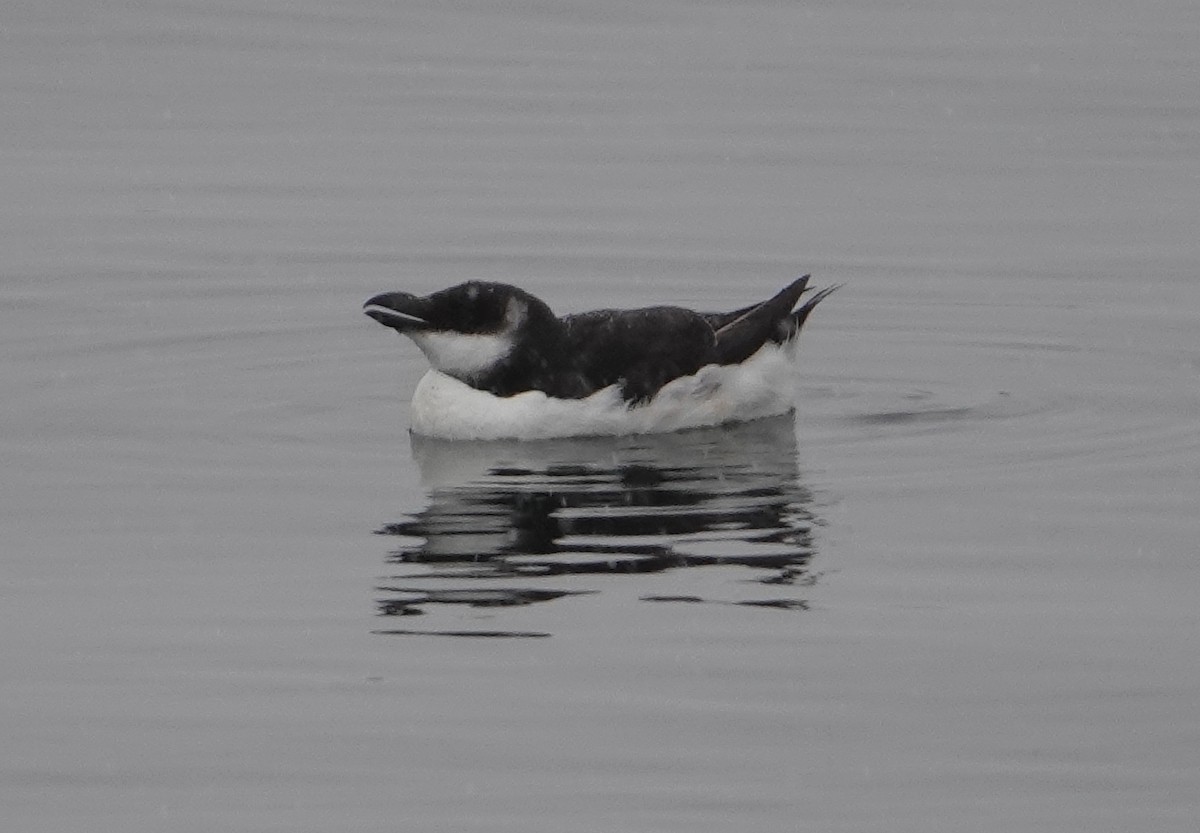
(762, 386)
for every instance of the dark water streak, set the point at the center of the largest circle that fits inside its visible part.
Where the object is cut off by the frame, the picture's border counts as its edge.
(503, 512)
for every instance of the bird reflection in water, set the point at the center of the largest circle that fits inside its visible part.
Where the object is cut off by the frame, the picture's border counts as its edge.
(516, 523)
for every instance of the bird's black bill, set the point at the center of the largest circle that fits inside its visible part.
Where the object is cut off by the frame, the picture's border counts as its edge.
(397, 310)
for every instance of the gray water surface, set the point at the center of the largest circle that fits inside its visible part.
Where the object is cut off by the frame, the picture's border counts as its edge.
(956, 592)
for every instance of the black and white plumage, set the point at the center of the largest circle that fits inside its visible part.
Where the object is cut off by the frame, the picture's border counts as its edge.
(529, 373)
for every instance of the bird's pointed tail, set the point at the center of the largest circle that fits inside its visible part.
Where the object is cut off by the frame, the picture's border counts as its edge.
(741, 337)
(790, 326)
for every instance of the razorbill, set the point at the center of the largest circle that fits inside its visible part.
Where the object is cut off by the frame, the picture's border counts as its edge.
(505, 366)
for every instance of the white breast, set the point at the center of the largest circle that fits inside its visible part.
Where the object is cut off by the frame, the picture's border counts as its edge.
(762, 386)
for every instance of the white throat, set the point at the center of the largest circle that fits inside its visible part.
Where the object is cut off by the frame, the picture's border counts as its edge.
(462, 355)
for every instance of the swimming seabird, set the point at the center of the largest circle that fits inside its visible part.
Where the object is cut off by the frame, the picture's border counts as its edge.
(504, 365)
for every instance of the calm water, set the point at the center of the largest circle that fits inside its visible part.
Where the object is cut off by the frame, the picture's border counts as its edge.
(957, 591)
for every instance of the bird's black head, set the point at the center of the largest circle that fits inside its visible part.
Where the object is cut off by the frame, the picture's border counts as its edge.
(465, 331)
(474, 307)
